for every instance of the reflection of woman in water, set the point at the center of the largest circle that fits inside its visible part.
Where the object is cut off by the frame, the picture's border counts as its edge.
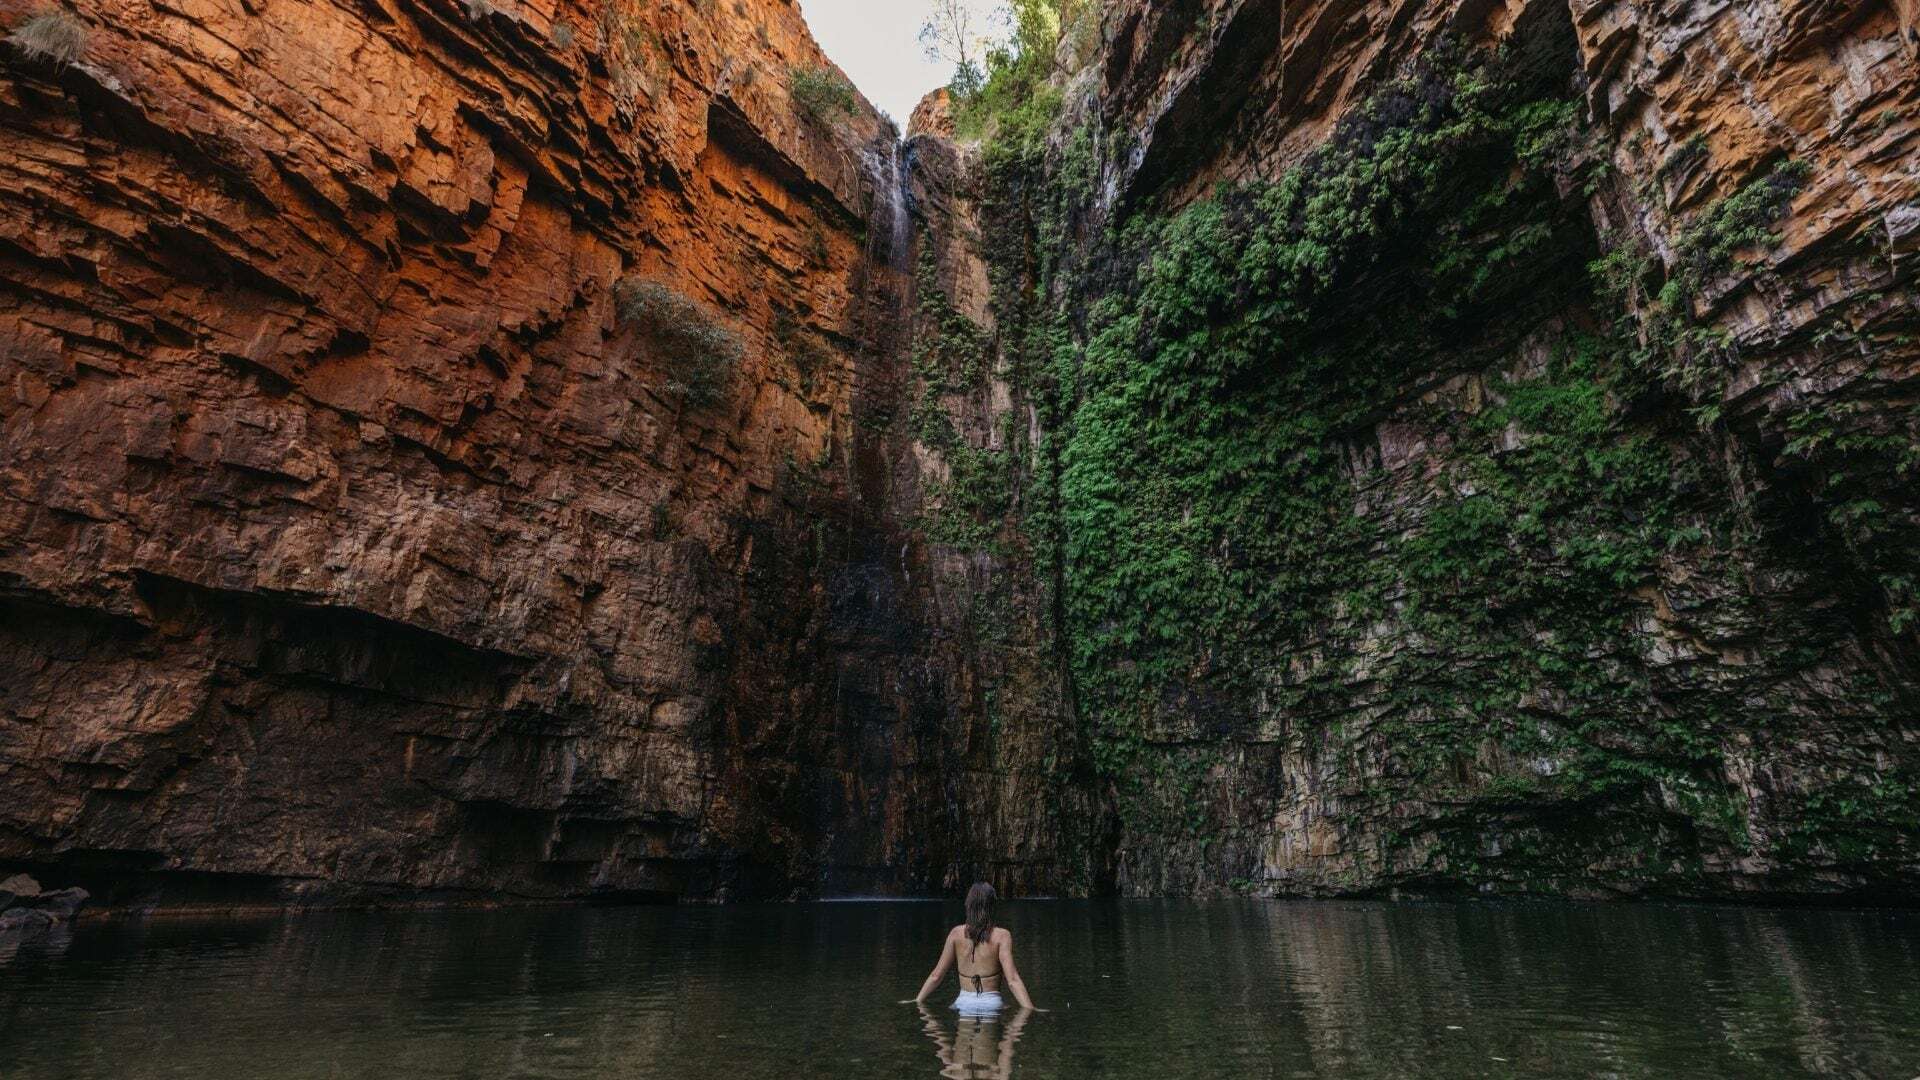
(971, 1052)
(983, 953)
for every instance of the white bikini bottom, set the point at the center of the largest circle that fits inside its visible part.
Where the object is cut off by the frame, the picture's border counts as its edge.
(971, 1003)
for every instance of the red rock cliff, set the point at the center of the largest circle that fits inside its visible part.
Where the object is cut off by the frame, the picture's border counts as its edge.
(351, 543)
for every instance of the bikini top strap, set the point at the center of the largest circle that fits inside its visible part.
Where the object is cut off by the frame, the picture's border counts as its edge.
(979, 981)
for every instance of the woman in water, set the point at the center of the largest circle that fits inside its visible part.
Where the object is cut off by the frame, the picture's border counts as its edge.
(983, 953)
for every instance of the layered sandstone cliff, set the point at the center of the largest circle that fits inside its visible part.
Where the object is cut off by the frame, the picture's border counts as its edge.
(353, 545)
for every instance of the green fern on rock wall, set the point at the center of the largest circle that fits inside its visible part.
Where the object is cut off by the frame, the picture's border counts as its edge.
(1368, 509)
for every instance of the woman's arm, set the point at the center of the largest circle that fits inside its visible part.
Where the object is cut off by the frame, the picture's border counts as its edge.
(939, 970)
(1012, 973)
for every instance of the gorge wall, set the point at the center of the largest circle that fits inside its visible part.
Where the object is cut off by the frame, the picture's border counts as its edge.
(354, 545)
(1502, 483)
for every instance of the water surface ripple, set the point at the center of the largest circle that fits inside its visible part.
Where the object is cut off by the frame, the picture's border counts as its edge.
(1137, 989)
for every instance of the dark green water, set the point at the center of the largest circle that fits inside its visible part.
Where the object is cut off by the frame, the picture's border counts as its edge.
(1136, 989)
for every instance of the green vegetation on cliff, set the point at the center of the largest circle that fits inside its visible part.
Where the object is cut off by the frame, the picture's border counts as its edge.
(682, 335)
(1208, 494)
(1014, 100)
(1472, 656)
(822, 94)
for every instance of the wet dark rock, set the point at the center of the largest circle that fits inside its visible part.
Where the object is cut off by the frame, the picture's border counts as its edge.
(16, 889)
(21, 924)
(28, 912)
(62, 904)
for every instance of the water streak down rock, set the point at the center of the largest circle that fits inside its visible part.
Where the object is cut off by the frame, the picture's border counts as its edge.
(353, 549)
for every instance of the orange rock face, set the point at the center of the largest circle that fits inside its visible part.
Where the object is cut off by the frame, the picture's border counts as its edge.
(349, 537)
(933, 116)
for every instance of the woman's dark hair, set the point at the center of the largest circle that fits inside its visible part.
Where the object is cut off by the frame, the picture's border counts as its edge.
(980, 900)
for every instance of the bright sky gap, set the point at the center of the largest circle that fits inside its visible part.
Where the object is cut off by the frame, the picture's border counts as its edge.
(877, 43)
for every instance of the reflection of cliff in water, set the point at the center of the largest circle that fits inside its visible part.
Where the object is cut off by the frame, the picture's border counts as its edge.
(1316, 976)
(1136, 989)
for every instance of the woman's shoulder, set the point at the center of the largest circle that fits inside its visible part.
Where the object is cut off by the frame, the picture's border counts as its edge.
(1001, 933)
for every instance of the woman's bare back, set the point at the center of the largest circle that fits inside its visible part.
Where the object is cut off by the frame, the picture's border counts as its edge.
(984, 965)
(978, 963)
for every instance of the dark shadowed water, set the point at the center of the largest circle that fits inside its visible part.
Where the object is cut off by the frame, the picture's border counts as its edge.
(1137, 989)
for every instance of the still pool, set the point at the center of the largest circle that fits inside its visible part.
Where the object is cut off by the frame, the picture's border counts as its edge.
(1158, 990)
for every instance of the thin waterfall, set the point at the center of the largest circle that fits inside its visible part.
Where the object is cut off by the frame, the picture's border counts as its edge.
(903, 204)
(891, 227)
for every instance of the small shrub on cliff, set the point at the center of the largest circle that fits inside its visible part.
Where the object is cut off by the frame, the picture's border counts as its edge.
(637, 60)
(822, 94)
(686, 337)
(816, 247)
(479, 9)
(50, 34)
(1742, 220)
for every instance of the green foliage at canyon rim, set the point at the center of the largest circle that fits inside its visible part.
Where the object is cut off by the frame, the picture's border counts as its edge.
(822, 94)
(1015, 98)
